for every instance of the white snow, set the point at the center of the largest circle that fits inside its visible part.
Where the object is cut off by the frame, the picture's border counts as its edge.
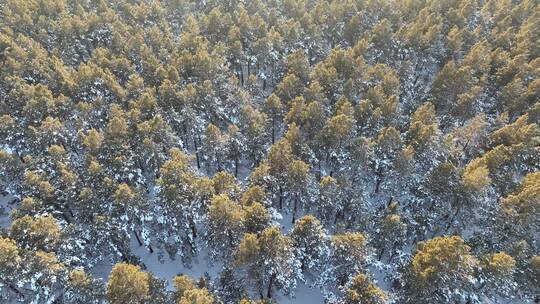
(303, 294)
(5, 208)
(171, 268)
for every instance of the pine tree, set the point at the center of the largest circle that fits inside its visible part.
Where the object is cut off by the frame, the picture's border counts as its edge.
(279, 159)
(393, 233)
(298, 184)
(497, 273)
(311, 243)
(330, 205)
(521, 208)
(273, 108)
(229, 286)
(158, 292)
(253, 127)
(213, 147)
(534, 269)
(235, 146)
(180, 203)
(297, 63)
(254, 194)
(268, 261)
(349, 255)
(225, 226)
(182, 283)
(127, 284)
(10, 263)
(127, 209)
(196, 296)
(83, 289)
(39, 233)
(256, 218)
(335, 133)
(45, 275)
(387, 146)
(440, 270)
(362, 290)
(290, 87)
(225, 183)
(423, 130)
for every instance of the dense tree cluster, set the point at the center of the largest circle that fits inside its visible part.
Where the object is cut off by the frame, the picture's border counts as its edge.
(380, 151)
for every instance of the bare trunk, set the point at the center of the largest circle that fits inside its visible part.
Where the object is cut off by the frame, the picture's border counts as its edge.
(378, 181)
(241, 75)
(269, 292)
(273, 132)
(197, 153)
(137, 237)
(294, 209)
(319, 171)
(381, 253)
(336, 218)
(280, 198)
(193, 227)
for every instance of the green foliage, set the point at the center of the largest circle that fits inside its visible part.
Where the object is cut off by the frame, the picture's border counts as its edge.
(9, 258)
(183, 123)
(268, 259)
(127, 284)
(362, 290)
(442, 263)
(40, 233)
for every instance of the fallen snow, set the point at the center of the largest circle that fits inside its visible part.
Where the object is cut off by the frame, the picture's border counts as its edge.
(6, 206)
(303, 294)
(171, 268)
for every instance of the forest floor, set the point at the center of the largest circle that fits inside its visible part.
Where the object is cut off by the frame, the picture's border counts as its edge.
(304, 292)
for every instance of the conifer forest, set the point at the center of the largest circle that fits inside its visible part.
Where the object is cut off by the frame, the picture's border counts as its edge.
(269, 151)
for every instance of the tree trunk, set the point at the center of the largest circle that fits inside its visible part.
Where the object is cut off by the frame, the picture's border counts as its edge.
(294, 208)
(236, 167)
(137, 237)
(269, 293)
(381, 253)
(241, 75)
(197, 153)
(319, 171)
(186, 137)
(378, 183)
(193, 228)
(338, 215)
(273, 132)
(280, 198)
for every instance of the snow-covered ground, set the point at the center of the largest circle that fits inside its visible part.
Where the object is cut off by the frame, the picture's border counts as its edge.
(7, 204)
(304, 293)
(102, 270)
(171, 268)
